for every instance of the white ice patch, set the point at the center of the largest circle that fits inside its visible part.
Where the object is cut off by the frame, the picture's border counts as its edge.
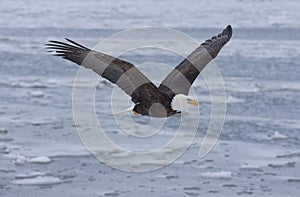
(232, 99)
(21, 160)
(250, 167)
(41, 160)
(37, 94)
(4, 149)
(218, 175)
(278, 136)
(30, 175)
(39, 180)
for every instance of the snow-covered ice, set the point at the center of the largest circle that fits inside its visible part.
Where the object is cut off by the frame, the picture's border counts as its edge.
(218, 175)
(40, 159)
(278, 136)
(39, 180)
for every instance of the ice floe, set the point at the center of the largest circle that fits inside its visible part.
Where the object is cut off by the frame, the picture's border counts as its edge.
(30, 175)
(278, 136)
(21, 160)
(218, 175)
(41, 160)
(38, 180)
(247, 166)
(37, 94)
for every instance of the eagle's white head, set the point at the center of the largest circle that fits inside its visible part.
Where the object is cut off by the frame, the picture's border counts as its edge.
(181, 102)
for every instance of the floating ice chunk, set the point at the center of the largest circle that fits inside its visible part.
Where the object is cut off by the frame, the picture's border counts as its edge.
(278, 136)
(4, 149)
(39, 180)
(232, 99)
(37, 94)
(7, 151)
(3, 130)
(218, 175)
(250, 167)
(41, 160)
(53, 81)
(30, 175)
(20, 160)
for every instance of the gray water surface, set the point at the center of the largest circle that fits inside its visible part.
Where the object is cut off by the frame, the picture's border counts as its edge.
(258, 152)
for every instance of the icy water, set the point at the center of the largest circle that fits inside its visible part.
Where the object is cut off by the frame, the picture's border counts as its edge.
(258, 152)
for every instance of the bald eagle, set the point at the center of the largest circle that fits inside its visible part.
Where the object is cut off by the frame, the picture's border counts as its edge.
(171, 97)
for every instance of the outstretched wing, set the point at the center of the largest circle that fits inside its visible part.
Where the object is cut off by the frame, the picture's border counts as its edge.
(182, 77)
(120, 72)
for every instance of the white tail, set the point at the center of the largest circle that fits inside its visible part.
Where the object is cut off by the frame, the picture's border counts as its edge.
(124, 111)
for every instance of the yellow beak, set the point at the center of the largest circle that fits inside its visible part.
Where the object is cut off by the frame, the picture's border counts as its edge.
(135, 113)
(193, 102)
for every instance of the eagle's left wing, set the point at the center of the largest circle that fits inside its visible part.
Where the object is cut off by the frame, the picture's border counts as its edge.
(182, 77)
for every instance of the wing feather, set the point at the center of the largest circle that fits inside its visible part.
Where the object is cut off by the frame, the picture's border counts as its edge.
(118, 71)
(179, 81)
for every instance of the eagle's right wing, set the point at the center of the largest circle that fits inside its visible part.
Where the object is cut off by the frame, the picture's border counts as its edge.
(118, 71)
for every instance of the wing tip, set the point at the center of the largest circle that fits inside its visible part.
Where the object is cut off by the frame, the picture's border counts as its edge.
(69, 45)
(215, 43)
(228, 31)
(69, 50)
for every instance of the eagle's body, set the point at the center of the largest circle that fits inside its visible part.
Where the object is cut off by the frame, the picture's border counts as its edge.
(163, 101)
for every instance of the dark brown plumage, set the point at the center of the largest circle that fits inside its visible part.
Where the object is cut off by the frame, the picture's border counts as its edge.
(179, 81)
(148, 99)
